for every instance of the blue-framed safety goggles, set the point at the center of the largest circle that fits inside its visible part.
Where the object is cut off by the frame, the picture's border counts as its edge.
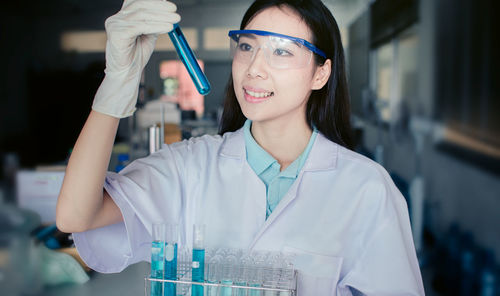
(281, 51)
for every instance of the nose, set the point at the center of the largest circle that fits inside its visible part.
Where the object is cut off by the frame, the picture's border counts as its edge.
(257, 66)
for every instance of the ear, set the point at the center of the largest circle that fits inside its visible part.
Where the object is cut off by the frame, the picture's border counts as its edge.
(321, 75)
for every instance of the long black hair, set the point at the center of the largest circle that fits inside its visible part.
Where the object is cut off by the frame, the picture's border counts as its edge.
(328, 108)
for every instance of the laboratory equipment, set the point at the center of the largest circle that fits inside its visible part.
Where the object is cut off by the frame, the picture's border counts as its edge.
(171, 237)
(487, 275)
(234, 272)
(228, 275)
(38, 190)
(198, 259)
(213, 274)
(189, 60)
(241, 276)
(154, 139)
(157, 264)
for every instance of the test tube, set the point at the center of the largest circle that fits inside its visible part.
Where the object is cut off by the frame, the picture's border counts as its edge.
(198, 267)
(256, 276)
(189, 60)
(157, 265)
(171, 236)
(228, 275)
(213, 275)
(272, 274)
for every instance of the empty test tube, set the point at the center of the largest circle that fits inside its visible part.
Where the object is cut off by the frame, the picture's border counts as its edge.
(272, 274)
(213, 275)
(171, 236)
(256, 276)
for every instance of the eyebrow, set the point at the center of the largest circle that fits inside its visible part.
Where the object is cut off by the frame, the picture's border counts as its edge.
(251, 36)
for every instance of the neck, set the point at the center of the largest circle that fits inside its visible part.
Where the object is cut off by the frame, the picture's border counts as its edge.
(285, 141)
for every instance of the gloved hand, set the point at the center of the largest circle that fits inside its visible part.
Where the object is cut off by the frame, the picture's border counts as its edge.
(131, 37)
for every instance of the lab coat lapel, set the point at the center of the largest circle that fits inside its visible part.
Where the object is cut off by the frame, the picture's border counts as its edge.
(280, 208)
(323, 156)
(234, 148)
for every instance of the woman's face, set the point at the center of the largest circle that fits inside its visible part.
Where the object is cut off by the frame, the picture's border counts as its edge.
(267, 94)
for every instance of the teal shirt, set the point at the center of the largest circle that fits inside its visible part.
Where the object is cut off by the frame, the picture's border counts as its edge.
(268, 169)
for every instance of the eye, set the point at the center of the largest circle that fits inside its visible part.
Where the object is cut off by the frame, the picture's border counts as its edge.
(282, 52)
(244, 47)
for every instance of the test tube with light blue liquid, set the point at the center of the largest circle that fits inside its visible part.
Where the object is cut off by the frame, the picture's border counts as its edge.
(157, 255)
(241, 276)
(189, 60)
(228, 274)
(198, 267)
(171, 236)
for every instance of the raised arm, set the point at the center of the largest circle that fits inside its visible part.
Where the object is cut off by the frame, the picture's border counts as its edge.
(82, 203)
(131, 37)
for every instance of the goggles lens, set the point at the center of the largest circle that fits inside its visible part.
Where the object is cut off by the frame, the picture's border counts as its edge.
(280, 52)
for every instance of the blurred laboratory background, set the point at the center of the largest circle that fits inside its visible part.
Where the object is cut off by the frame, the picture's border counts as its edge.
(424, 87)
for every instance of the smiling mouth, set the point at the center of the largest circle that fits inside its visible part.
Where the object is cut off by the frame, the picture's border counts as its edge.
(258, 95)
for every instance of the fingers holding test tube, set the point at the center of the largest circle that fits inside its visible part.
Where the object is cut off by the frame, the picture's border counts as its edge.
(131, 37)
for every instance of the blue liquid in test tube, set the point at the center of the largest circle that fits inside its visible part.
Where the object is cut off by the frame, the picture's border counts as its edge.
(157, 265)
(170, 268)
(189, 60)
(198, 268)
(199, 271)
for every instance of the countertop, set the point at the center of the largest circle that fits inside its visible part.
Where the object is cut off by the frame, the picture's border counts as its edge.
(128, 282)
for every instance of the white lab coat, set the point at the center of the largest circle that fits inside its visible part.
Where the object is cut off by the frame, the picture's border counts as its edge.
(343, 217)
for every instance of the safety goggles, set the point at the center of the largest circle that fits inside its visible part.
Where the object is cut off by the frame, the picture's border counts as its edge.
(281, 51)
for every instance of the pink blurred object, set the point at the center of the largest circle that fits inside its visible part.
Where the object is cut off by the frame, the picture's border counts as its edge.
(179, 88)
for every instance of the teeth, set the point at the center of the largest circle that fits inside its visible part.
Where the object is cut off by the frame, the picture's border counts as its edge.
(259, 94)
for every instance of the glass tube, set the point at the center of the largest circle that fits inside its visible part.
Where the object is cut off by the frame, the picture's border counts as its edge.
(171, 236)
(198, 267)
(189, 60)
(213, 275)
(157, 264)
(228, 274)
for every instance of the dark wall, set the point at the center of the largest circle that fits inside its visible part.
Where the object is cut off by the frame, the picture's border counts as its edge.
(467, 89)
(359, 48)
(45, 92)
(466, 93)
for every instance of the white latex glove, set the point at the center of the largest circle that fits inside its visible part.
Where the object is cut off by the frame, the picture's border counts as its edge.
(131, 37)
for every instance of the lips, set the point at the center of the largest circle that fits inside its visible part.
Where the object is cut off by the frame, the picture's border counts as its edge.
(256, 95)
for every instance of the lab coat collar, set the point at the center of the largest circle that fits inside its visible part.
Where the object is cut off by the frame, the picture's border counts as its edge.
(234, 145)
(323, 154)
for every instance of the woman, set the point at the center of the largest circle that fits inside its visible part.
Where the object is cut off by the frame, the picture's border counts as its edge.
(279, 177)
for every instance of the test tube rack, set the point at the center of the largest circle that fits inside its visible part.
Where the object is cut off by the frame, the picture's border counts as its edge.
(272, 281)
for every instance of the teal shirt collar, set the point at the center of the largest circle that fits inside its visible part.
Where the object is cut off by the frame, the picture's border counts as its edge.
(257, 157)
(260, 160)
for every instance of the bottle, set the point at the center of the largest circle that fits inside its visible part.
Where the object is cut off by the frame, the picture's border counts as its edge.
(487, 275)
